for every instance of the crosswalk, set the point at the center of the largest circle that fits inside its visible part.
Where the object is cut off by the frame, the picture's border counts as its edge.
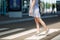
(19, 34)
(11, 31)
(13, 36)
(56, 38)
(34, 37)
(1, 29)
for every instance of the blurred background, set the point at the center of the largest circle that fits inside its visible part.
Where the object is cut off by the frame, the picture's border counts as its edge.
(20, 8)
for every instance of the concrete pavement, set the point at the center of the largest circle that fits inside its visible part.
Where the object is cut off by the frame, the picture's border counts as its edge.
(7, 20)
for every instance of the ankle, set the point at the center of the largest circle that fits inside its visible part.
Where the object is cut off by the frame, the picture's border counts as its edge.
(46, 29)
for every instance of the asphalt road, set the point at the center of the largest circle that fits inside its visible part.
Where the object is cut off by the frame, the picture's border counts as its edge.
(14, 28)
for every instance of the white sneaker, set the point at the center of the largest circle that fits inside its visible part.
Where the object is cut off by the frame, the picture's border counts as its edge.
(45, 32)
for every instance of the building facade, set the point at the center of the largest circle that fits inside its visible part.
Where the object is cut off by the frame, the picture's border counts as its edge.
(20, 7)
(58, 5)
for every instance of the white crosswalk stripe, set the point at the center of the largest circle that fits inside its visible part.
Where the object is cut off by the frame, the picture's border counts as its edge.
(56, 38)
(19, 34)
(1, 29)
(34, 37)
(11, 31)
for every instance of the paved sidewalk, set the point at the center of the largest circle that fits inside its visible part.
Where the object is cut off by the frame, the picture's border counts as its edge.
(6, 20)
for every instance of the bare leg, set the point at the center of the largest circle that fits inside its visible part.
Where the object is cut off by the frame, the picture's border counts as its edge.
(42, 23)
(37, 25)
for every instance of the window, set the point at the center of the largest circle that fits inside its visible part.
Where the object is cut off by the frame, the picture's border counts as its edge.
(14, 5)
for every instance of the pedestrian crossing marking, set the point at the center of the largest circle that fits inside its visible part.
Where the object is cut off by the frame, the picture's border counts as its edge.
(56, 38)
(1, 29)
(34, 37)
(19, 34)
(11, 31)
(28, 32)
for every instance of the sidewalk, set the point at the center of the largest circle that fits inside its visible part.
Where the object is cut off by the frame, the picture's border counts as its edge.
(6, 20)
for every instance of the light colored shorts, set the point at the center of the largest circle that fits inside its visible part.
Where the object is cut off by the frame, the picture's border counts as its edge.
(35, 13)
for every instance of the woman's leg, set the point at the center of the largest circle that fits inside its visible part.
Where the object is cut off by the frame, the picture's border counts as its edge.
(43, 24)
(37, 25)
